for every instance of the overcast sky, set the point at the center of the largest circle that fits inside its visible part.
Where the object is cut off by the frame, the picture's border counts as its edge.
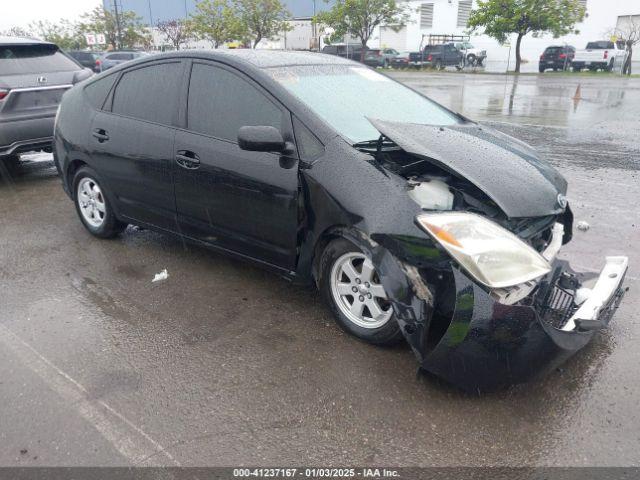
(23, 12)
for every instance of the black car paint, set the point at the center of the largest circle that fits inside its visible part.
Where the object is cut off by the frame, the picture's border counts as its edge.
(338, 194)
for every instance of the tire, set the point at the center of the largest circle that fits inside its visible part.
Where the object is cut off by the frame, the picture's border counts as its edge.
(541, 69)
(337, 257)
(471, 60)
(576, 69)
(93, 206)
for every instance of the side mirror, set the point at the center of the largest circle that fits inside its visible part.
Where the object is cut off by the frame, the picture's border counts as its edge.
(261, 139)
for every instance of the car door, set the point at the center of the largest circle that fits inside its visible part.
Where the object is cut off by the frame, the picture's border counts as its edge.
(132, 142)
(241, 201)
(451, 55)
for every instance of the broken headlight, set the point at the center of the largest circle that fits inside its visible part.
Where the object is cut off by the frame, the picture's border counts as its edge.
(492, 255)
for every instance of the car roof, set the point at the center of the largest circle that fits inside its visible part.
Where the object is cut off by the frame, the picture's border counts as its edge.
(22, 41)
(258, 58)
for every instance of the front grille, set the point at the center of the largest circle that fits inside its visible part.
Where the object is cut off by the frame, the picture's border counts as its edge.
(558, 307)
(555, 300)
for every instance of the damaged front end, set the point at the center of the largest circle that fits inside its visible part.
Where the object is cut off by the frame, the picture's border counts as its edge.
(476, 341)
(481, 332)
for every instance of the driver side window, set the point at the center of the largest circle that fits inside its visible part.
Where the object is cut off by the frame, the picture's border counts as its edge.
(220, 102)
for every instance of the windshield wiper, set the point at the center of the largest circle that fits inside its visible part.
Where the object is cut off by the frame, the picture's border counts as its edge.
(379, 143)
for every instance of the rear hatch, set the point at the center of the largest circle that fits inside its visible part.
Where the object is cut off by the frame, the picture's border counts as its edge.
(33, 77)
(553, 54)
(595, 52)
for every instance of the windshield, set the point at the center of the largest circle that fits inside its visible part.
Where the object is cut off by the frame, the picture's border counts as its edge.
(344, 96)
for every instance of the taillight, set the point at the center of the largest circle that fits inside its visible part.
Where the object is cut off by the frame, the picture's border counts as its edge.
(606, 54)
(429, 58)
(98, 62)
(542, 57)
(563, 55)
(3, 93)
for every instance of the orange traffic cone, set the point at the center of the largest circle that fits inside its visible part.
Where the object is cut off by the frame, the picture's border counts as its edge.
(578, 94)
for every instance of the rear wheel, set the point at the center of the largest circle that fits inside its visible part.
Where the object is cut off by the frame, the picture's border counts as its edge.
(541, 69)
(93, 207)
(350, 285)
(471, 60)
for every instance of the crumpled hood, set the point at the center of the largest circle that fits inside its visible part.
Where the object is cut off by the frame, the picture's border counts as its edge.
(507, 170)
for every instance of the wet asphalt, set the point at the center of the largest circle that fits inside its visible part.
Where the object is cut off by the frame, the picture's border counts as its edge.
(225, 364)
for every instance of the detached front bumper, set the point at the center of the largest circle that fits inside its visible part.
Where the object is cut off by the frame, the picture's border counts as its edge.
(489, 344)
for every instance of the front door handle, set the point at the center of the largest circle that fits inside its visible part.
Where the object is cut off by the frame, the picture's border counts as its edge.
(101, 135)
(187, 159)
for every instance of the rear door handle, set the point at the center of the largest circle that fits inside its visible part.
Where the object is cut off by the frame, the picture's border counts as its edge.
(187, 159)
(101, 135)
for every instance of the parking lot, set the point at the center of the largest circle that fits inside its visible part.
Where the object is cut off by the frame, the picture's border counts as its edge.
(224, 364)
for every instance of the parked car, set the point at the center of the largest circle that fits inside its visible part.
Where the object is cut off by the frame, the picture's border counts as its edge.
(474, 57)
(116, 57)
(604, 54)
(413, 221)
(86, 59)
(444, 55)
(352, 51)
(377, 57)
(402, 60)
(33, 77)
(556, 57)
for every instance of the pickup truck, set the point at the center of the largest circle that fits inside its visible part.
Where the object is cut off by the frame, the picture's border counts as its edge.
(438, 57)
(602, 54)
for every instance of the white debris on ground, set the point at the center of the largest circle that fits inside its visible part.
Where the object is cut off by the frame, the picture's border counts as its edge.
(583, 226)
(159, 277)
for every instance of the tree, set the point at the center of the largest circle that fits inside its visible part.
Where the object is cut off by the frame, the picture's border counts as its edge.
(628, 30)
(132, 30)
(16, 32)
(65, 34)
(261, 19)
(501, 18)
(175, 31)
(359, 18)
(215, 21)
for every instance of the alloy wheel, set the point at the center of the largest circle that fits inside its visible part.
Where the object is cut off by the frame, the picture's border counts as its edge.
(357, 291)
(91, 202)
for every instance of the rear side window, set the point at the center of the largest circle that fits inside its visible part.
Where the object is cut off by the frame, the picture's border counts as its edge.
(220, 102)
(330, 49)
(19, 59)
(97, 91)
(149, 93)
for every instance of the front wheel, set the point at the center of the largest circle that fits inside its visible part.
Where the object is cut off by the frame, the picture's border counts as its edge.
(93, 207)
(351, 286)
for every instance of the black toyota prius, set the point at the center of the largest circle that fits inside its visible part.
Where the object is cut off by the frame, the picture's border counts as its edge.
(413, 221)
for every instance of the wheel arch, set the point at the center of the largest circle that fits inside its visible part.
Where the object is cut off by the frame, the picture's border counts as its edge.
(70, 172)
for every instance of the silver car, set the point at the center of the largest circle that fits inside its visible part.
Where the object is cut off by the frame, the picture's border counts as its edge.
(111, 59)
(33, 77)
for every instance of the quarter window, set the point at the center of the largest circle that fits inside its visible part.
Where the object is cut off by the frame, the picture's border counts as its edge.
(149, 93)
(220, 102)
(97, 91)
